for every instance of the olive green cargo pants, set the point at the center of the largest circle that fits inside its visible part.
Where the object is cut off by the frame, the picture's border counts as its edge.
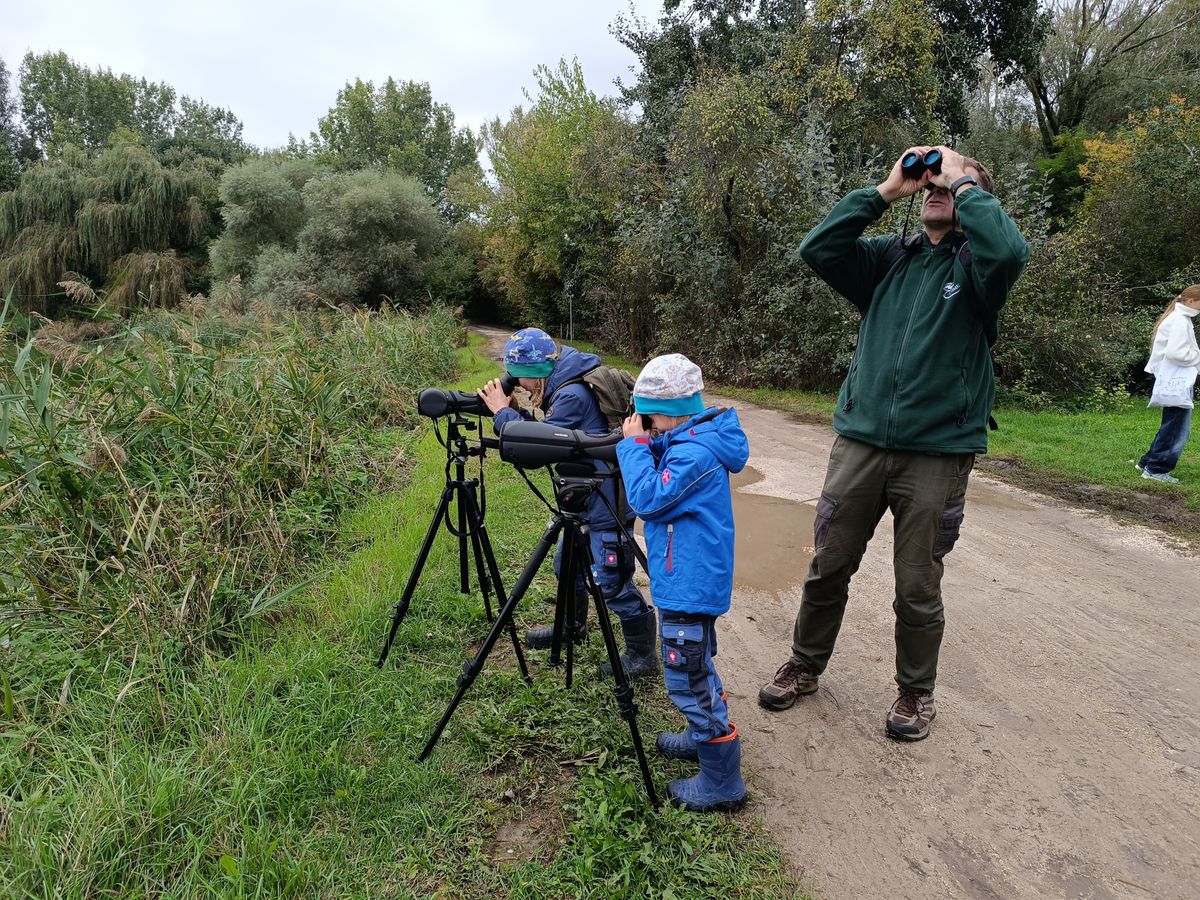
(926, 494)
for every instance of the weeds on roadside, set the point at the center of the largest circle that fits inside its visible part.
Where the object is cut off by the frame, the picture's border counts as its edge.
(159, 481)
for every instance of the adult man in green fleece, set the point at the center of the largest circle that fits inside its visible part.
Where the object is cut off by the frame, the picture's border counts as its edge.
(912, 412)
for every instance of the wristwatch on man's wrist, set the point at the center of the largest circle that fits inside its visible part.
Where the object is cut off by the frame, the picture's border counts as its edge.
(959, 182)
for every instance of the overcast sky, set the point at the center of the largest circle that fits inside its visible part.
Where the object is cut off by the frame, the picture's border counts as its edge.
(279, 65)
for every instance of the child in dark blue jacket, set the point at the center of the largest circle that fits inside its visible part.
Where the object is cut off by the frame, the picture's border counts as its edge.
(677, 481)
(553, 377)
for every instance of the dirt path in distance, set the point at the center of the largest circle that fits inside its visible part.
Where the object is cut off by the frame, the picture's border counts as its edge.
(1065, 759)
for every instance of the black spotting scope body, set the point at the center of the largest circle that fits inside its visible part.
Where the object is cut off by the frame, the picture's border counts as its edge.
(434, 403)
(532, 445)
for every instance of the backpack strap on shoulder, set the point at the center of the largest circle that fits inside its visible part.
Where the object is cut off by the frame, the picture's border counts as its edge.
(896, 250)
(578, 379)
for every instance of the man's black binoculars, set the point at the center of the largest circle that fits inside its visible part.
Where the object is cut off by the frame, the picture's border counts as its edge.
(434, 403)
(914, 164)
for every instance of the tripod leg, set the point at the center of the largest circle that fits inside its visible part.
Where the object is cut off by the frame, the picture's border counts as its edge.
(484, 554)
(474, 524)
(464, 578)
(571, 576)
(562, 599)
(474, 666)
(401, 607)
(622, 689)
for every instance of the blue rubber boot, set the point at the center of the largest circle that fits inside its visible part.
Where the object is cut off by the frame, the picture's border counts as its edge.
(677, 745)
(719, 786)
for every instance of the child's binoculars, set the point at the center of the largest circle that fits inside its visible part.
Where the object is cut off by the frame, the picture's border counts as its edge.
(914, 164)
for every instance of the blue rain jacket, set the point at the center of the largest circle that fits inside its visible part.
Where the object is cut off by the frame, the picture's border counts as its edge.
(678, 484)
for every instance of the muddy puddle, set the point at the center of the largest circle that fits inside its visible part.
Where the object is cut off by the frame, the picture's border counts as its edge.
(774, 537)
(987, 496)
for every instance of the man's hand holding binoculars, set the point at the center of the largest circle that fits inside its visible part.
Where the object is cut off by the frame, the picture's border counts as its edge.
(921, 166)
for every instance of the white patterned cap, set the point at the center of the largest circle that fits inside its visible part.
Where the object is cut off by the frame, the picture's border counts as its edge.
(669, 384)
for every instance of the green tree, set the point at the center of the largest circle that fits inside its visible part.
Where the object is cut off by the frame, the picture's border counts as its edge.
(1104, 59)
(204, 130)
(716, 35)
(262, 205)
(1008, 35)
(397, 126)
(10, 139)
(121, 219)
(1143, 198)
(64, 103)
(369, 237)
(761, 125)
(538, 218)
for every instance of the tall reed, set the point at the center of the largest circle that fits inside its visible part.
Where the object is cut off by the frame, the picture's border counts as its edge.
(170, 479)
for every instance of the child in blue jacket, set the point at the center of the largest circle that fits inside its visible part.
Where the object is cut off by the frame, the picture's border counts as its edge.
(677, 481)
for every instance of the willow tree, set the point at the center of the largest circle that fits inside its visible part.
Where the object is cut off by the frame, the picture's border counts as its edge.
(369, 238)
(120, 219)
(262, 203)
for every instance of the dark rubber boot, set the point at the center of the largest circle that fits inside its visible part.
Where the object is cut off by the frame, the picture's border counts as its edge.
(543, 638)
(719, 786)
(641, 655)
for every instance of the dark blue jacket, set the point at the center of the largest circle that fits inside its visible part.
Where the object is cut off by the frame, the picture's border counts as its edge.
(678, 484)
(573, 406)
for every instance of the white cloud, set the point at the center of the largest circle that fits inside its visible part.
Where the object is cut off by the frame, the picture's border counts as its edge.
(279, 65)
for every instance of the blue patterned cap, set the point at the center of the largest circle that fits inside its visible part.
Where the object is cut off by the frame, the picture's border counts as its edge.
(530, 353)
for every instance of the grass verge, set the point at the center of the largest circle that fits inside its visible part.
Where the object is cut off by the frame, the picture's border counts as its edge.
(288, 768)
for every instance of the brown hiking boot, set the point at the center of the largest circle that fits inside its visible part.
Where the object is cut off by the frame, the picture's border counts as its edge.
(791, 681)
(910, 715)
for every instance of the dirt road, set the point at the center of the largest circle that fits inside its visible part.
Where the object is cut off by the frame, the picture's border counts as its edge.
(1065, 759)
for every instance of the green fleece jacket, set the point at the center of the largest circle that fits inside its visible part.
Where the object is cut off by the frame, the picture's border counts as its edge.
(921, 377)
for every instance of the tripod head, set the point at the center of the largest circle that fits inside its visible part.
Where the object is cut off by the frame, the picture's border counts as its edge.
(574, 483)
(459, 441)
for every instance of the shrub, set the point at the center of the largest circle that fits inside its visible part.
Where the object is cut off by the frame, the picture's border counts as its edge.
(304, 239)
(1062, 332)
(262, 205)
(369, 237)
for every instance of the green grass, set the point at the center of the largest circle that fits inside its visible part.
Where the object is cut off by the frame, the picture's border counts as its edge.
(288, 768)
(1074, 450)
(1084, 456)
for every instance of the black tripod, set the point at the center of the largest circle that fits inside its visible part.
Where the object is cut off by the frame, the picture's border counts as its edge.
(573, 484)
(462, 491)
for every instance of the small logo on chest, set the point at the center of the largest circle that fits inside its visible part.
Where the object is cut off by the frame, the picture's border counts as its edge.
(950, 290)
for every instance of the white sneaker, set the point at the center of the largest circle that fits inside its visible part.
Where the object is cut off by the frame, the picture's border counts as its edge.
(1137, 465)
(1160, 476)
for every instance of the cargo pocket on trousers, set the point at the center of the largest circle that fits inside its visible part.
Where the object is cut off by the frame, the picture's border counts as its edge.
(949, 525)
(826, 507)
(614, 553)
(682, 645)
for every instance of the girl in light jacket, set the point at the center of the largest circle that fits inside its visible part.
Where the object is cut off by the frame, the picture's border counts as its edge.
(1174, 342)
